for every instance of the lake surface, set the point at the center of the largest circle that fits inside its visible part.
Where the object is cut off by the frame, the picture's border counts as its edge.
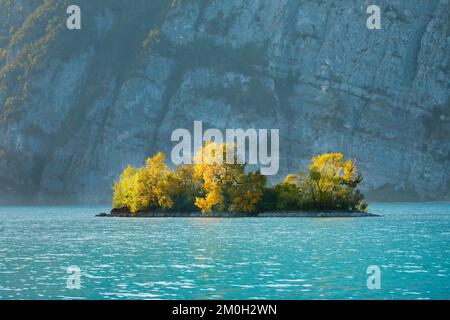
(246, 258)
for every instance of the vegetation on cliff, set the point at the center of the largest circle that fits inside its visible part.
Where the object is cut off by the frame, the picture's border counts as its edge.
(211, 185)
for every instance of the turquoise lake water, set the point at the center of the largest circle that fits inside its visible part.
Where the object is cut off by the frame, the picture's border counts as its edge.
(246, 258)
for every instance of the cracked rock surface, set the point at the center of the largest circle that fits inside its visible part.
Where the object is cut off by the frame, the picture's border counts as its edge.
(77, 106)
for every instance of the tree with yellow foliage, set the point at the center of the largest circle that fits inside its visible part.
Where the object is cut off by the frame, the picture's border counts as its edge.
(144, 188)
(123, 196)
(210, 168)
(226, 186)
(334, 179)
(247, 193)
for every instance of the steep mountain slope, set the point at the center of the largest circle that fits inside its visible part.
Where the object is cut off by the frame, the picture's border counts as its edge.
(77, 106)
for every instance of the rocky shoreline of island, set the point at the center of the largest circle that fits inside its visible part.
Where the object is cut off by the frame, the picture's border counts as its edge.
(123, 213)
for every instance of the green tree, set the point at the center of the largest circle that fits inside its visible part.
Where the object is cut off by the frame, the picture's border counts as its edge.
(184, 188)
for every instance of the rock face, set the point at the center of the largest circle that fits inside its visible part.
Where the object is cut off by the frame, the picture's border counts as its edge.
(77, 106)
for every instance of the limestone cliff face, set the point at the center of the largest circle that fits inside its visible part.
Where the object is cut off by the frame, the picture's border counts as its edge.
(77, 106)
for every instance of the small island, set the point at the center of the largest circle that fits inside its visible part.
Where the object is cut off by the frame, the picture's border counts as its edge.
(212, 187)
